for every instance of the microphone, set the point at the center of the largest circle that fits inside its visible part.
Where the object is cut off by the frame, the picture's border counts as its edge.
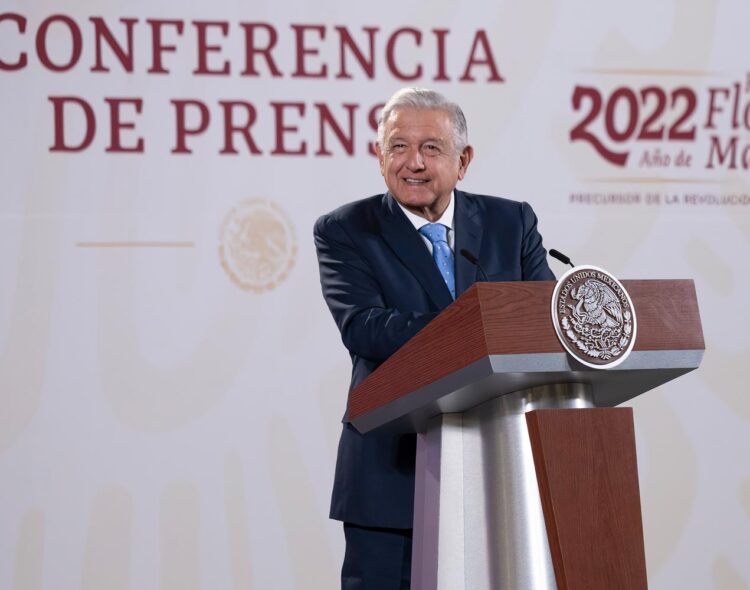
(560, 256)
(475, 261)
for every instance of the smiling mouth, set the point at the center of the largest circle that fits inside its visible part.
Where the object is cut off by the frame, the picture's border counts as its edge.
(415, 181)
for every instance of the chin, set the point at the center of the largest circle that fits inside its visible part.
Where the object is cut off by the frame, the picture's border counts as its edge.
(418, 196)
(416, 203)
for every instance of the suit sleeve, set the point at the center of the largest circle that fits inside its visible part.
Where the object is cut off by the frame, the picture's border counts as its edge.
(355, 297)
(534, 265)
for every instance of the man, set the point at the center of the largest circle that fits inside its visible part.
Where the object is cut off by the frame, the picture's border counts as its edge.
(388, 265)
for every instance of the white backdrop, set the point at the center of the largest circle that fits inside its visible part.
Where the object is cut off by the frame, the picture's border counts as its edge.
(171, 382)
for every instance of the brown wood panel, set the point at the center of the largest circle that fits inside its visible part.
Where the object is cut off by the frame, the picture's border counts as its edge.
(667, 314)
(588, 480)
(515, 318)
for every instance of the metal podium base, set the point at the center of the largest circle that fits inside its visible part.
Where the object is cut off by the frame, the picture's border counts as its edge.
(478, 521)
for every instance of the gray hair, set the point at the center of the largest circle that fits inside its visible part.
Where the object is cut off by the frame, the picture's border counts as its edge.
(422, 98)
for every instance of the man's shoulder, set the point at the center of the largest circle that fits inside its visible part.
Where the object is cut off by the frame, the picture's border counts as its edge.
(359, 214)
(492, 204)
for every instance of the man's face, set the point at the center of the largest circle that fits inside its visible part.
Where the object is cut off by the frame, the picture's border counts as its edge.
(419, 161)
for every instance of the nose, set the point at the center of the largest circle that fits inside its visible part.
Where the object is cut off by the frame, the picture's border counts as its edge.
(415, 161)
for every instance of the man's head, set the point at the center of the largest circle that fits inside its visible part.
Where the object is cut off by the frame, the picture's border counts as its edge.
(423, 149)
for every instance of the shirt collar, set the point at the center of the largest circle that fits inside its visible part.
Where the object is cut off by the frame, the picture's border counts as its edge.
(446, 218)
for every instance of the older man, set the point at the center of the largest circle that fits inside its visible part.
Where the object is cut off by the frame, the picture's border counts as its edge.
(388, 265)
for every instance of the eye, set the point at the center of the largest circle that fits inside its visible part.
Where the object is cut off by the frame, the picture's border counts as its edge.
(431, 148)
(398, 147)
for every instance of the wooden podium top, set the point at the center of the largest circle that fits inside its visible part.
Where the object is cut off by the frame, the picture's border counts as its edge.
(499, 337)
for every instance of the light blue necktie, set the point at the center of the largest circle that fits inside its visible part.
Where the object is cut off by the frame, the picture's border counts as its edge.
(437, 233)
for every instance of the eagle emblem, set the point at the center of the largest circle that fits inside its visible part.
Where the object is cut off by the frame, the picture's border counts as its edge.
(258, 245)
(594, 317)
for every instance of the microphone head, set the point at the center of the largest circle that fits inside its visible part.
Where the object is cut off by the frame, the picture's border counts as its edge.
(559, 256)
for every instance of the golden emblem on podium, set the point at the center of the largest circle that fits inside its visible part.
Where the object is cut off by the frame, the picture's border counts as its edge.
(257, 247)
(594, 317)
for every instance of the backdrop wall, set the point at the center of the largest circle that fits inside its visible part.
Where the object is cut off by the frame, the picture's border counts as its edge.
(171, 382)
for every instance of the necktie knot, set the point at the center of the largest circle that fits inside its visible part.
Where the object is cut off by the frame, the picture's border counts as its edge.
(435, 232)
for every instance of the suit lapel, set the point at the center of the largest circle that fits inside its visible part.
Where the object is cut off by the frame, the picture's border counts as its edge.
(468, 226)
(407, 244)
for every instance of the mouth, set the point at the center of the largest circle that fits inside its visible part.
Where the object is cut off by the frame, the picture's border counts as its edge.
(414, 181)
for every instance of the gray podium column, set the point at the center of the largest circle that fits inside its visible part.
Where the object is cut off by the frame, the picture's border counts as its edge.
(478, 521)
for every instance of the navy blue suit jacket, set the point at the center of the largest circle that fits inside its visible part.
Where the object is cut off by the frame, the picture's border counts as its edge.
(382, 286)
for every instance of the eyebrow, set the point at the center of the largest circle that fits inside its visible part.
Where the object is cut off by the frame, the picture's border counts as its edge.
(429, 139)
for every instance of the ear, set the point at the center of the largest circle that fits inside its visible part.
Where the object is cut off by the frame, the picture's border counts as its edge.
(381, 159)
(464, 160)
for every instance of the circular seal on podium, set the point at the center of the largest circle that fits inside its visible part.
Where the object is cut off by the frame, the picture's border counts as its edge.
(594, 317)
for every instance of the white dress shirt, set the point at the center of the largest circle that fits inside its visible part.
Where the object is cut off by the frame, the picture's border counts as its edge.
(446, 219)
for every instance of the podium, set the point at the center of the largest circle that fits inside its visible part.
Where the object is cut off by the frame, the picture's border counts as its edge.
(526, 474)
